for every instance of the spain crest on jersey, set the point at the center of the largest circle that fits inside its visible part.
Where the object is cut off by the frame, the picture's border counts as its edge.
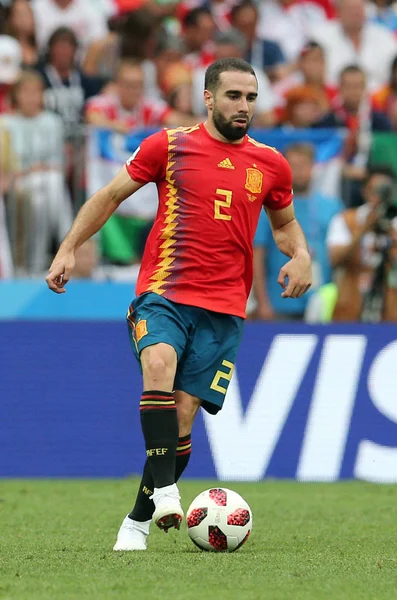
(254, 181)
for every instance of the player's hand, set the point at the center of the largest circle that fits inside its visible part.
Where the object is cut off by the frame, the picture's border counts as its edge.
(60, 271)
(298, 271)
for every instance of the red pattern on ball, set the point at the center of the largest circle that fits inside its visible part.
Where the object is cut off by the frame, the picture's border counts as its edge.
(196, 516)
(218, 496)
(239, 517)
(217, 538)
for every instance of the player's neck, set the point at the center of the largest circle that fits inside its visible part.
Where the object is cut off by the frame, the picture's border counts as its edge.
(213, 132)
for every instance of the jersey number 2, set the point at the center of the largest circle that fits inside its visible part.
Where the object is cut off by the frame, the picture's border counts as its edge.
(226, 203)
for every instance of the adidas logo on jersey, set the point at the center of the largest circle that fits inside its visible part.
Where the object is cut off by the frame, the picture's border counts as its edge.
(226, 164)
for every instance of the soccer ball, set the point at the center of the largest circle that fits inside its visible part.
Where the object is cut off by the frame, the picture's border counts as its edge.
(219, 520)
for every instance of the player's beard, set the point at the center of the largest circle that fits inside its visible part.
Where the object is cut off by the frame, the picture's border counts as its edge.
(227, 128)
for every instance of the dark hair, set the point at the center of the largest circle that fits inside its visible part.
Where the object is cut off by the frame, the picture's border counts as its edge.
(136, 29)
(351, 69)
(63, 33)
(244, 4)
(232, 36)
(374, 170)
(192, 17)
(222, 65)
(310, 45)
(304, 148)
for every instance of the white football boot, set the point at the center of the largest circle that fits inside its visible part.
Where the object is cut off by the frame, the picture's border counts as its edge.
(168, 511)
(132, 535)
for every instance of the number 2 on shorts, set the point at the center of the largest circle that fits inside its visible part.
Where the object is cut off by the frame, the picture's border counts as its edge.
(227, 375)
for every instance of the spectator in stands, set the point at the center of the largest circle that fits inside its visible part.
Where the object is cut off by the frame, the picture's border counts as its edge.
(353, 108)
(351, 40)
(383, 12)
(289, 23)
(357, 239)
(87, 24)
(314, 212)
(304, 107)
(39, 201)
(67, 88)
(198, 34)
(232, 43)
(354, 112)
(129, 37)
(20, 25)
(176, 84)
(384, 100)
(310, 71)
(128, 108)
(219, 9)
(265, 55)
(169, 51)
(10, 64)
(103, 55)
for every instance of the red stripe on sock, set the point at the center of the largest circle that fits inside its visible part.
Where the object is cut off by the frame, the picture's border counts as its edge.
(189, 441)
(161, 407)
(165, 398)
(188, 451)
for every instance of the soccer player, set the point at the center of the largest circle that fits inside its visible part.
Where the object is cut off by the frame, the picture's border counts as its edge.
(187, 318)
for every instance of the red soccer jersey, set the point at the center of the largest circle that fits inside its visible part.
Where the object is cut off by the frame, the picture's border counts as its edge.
(199, 251)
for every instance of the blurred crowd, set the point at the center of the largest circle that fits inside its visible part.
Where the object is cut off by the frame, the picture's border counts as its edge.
(123, 65)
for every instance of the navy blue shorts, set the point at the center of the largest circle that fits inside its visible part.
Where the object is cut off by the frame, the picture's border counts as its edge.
(206, 344)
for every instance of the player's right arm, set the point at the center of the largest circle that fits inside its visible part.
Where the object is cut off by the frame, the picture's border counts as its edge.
(91, 217)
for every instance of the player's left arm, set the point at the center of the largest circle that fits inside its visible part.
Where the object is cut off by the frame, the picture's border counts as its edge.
(295, 277)
(291, 240)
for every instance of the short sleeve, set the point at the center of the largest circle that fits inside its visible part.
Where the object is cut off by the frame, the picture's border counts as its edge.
(281, 194)
(149, 161)
(263, 233)
(338, 233)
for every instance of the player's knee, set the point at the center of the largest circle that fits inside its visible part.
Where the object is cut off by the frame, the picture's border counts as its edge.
(158, 371)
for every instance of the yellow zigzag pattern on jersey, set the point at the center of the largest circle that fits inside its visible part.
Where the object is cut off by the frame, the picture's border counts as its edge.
(260, 145)
(164, 267)
(163, 270)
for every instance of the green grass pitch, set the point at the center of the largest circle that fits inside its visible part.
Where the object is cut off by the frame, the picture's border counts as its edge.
(309, 542)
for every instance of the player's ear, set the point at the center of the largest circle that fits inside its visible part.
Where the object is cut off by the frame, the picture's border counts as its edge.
(208, 99)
